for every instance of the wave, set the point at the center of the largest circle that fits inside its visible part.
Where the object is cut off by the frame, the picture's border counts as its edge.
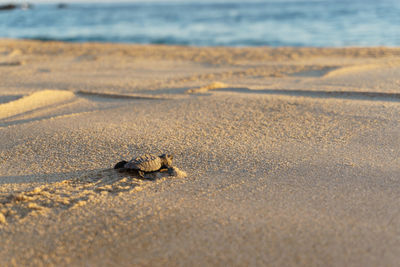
(228, 23)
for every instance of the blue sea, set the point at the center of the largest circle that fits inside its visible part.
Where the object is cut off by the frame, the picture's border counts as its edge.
(317, 23)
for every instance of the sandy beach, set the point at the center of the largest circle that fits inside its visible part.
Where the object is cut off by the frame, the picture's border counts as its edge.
(292, 155)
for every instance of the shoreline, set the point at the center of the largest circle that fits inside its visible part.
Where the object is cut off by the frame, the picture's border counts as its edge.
(194, 46)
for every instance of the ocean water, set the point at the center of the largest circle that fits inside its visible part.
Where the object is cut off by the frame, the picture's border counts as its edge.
(318, 23)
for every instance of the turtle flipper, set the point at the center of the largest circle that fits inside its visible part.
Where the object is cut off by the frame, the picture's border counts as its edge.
(171, 171)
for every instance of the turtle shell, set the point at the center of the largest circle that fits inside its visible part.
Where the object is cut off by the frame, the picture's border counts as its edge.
(145, 163)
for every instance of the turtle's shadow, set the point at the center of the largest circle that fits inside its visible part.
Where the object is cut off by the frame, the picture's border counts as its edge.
(148, 176)
(62, 176)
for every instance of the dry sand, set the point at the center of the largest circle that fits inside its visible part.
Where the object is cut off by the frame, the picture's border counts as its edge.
(292, 155)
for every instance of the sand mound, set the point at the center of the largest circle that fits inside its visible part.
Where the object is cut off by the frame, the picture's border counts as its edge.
(15, 53)
(37, 100)
(351, 70)
(212, 86)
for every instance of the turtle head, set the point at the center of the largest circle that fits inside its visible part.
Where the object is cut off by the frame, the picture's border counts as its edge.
(167, 160)
(120, 165)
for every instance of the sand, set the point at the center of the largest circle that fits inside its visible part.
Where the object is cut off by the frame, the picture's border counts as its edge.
(291, 155)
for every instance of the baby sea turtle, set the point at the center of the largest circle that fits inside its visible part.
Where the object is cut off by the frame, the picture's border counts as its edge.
(147, 163)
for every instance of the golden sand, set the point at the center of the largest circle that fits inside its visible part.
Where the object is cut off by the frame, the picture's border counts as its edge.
(285, 157)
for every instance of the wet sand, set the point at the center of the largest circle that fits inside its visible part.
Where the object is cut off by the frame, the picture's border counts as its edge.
(291, 154)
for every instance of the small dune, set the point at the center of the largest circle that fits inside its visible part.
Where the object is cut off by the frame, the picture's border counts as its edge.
(15, 53)
(315, 72)
(34, 101)
(351, 70)
(204, 89)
